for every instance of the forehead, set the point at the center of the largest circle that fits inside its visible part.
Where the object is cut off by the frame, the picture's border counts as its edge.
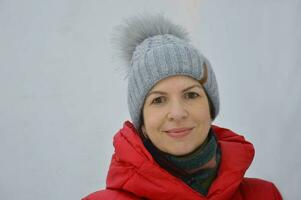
(174, 83)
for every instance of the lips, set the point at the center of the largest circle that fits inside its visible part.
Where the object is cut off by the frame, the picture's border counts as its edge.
(178, 132)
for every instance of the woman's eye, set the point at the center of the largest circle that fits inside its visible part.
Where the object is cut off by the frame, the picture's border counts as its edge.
(191, 95)
(157, 100)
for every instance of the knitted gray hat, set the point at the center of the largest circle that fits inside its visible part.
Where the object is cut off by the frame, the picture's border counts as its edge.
(154, 49)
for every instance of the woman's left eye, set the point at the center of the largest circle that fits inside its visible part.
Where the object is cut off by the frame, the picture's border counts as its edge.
(191, 95)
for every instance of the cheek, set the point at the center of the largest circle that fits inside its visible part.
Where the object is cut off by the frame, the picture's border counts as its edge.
(153, 118)
(201, 113)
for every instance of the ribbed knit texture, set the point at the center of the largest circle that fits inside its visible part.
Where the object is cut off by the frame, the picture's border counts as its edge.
(198, 169)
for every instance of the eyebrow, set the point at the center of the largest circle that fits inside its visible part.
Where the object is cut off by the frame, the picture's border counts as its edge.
(164, 93)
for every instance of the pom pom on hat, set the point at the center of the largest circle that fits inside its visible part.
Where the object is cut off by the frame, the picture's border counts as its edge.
(138, 28)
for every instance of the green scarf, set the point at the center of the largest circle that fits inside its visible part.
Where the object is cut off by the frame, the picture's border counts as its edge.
(197, 169)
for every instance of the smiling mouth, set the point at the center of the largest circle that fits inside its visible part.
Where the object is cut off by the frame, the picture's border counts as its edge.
(178, 132)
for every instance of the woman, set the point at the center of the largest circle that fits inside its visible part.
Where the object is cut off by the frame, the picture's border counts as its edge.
(171, 150)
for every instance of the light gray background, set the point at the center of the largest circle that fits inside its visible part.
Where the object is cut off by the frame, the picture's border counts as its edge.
(63, 94)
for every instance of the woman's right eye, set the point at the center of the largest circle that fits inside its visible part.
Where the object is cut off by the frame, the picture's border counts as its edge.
(157, 100)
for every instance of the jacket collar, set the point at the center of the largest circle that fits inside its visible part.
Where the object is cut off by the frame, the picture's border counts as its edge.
(133, 169)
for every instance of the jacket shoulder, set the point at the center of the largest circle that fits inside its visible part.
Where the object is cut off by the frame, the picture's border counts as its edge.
(254, 188)
(109, 194)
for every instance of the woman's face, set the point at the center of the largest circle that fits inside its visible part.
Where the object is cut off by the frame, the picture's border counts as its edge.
(176, 115)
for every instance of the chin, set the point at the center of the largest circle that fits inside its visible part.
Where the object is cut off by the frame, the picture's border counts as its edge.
(180, 151)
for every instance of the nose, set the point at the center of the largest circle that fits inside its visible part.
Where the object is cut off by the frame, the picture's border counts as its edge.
(177, 111)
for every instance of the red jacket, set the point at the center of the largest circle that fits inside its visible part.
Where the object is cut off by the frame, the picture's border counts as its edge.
(134, 174)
